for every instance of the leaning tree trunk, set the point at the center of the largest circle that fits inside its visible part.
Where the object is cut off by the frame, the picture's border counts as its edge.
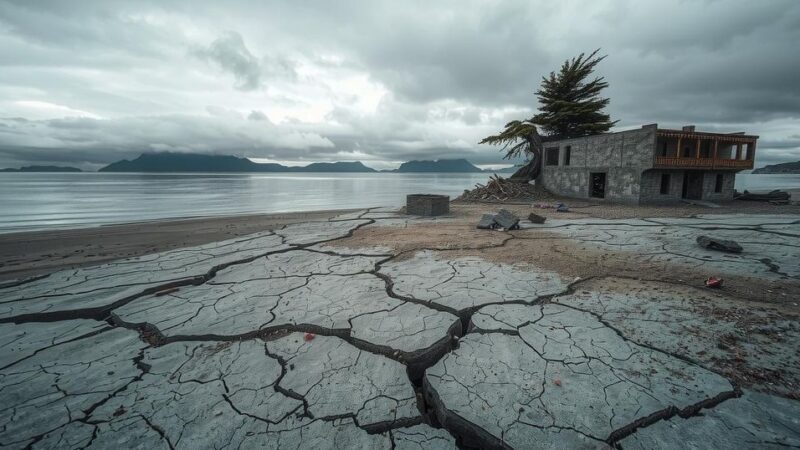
(531, 170)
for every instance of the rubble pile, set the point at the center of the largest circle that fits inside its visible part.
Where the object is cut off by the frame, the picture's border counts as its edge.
(500, 189)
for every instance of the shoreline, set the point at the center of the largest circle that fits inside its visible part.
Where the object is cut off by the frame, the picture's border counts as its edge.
(32, 253)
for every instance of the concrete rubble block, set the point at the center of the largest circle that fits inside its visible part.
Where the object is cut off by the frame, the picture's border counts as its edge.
(564, 377)
(506, 219)
(427, 204)
(722, 245)
(466, 282)
(487, 222)
(535, 218)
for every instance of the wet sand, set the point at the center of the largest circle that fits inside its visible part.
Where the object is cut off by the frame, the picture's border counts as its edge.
(29, 254)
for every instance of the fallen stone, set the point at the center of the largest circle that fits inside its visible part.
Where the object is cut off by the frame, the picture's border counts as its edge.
(722, 245)
(506, 219)
(487, 222)
(535, 218)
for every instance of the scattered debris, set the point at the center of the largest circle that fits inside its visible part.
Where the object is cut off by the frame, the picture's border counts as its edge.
(308, 337)
(557, 382)
(503, 219)
(487, 222)
(701, 203)
(535, 218)
(773, 196)
(560, 207)
(714, 282)
(721, 245)
(502, 189)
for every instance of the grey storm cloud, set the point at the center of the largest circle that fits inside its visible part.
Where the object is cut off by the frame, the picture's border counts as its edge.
(230, 53)
(379, 81)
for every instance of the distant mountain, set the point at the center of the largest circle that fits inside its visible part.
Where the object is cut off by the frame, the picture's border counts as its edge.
(441, 165)
(43, 169)
(193, 162)
(790, 167)
(510, 169)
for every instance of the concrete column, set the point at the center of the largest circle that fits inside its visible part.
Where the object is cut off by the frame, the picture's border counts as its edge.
(697, 149)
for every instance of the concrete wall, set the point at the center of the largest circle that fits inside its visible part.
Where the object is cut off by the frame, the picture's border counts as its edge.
(622, 156)
(709, 181)
(650, 191)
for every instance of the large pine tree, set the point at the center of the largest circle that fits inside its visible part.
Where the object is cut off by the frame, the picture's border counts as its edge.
(569, 105)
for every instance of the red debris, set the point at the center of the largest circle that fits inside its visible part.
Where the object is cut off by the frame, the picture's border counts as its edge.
(714, 282)
(308, 337)
(557, 382)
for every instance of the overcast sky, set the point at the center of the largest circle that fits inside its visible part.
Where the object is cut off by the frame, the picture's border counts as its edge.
(85, 83)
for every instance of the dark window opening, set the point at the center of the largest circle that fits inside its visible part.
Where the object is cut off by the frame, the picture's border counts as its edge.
(664, 184)
(598, 184)
(718, 183)
(705, 149)
(567, 152)
(664, 148)
(551, 156)
(687, 151)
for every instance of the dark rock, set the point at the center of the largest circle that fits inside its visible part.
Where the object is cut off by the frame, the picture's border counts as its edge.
(721, 245)
(535, 218)
(507, 220)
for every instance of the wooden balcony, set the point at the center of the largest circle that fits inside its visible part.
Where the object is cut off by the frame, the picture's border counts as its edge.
(671, 162)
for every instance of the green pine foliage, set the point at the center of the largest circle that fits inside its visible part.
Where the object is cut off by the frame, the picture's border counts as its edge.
(570, 106)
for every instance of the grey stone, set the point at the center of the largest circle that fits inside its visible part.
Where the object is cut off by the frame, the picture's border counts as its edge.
(427, 204)
(722, 245)
(487, 222)
(506, 219)
(535, 218)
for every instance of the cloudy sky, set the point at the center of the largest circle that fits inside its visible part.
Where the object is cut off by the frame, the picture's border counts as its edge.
(87, 83)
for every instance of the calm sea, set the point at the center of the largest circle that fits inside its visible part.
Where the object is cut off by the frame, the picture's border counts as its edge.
(36, 201)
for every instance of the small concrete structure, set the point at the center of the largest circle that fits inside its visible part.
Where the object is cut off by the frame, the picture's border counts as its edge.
(427, 204)
(647, 165)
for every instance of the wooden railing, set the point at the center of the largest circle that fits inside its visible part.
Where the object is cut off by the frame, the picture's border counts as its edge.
(702, 163)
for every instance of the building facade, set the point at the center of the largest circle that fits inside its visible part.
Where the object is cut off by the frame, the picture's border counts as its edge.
(647, 165)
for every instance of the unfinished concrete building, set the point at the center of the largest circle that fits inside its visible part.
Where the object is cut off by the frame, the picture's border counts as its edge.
(648, 165)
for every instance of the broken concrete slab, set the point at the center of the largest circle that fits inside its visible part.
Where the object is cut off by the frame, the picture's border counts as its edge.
(466, 282)
(753, 421)
(506, 219)
(722, 245)
(487, 222)
(745, 343)
(522, 385)
(60, 384)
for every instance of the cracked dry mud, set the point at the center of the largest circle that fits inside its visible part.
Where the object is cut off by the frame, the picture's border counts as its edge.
(311, 336)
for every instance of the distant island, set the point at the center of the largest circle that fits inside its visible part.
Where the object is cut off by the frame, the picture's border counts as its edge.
(43, 169)
(790, 167)
(193, 162)
(440, 165)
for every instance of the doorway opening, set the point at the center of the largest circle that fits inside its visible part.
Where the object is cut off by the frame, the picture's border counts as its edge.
(597, 184)
(692, 185)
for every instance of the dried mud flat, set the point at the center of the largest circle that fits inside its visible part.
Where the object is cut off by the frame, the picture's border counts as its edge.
(375, 330)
